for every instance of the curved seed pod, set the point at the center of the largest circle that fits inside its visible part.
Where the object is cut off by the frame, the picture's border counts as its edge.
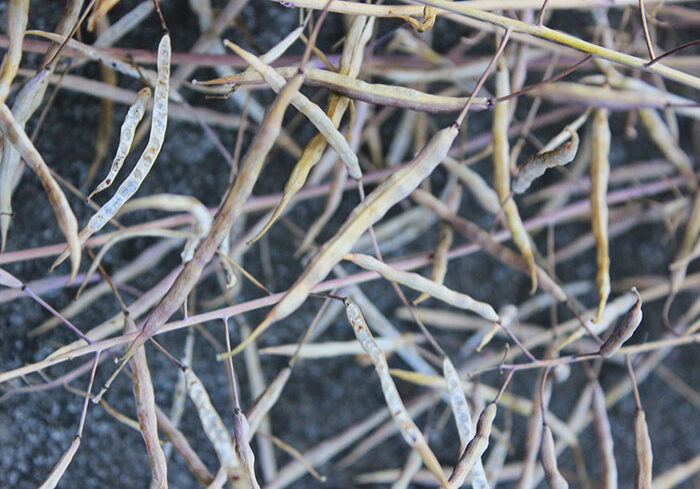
(17, 14)
(463, 419)
(159, 122)
(356, 40)
(61, 466)
(603, 432)
(475, 448)
(126, 137)
(212, 424)
(422, 284)
(628, 325)
(241, 443)
(549, 461)
(15, 134)
(394, 189)
(501, 174)
(173, 203)
(535, 166)
(642, 448)
(600, 173)
(410, 432)
(314, 113)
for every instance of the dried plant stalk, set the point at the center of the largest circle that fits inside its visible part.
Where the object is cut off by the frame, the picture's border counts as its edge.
(410, 432)
(15, 134)
(422, 284)
(535, 166)
(501, 174)
(126, 137)
(600, 173)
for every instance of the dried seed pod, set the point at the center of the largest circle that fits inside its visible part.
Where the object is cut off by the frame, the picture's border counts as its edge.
(422, 284)
(61, 466)
(212, 424)
(159, 122)
(17, 14)
(126, 137)
(625, 330)
(102, 8)
(15, 134)
(353, 50)
(368, 212)
(475, 448)
(501, 174)
(314, 113)
(644, 455)
(463, 419)
(146, 412)
(603, 432)
(600, 173)
(410, 432)
(241, 443)
(174, 203)
(535, 166)
(481, 191)
(9, 280)
(25, 104)
(549, 461)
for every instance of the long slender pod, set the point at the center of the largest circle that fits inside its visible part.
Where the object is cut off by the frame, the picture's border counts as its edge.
(317, 117)
(126, 138)
(501, 174)
(159, 122)
(350, 63)
(600, 173)
(391, 191)
(410, 432)
(17, 15)
(14, 132)
(463, 420)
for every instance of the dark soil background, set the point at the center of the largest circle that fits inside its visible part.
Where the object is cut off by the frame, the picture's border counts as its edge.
(323, 396)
